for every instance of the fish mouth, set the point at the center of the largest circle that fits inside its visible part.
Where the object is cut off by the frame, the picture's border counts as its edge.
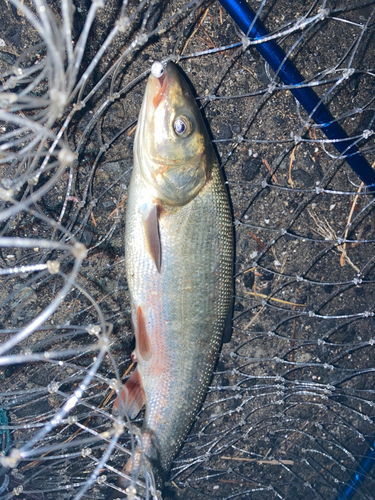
(159, 80)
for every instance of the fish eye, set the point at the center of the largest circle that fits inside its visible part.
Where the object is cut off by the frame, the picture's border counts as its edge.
(183, 126)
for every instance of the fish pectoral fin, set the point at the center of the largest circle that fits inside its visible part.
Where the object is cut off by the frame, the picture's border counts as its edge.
(152, 234)
(132, 395)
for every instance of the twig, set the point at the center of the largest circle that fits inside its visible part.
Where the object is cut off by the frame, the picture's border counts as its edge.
(324, 229)
(93, 220)
(269, 169)
(257, 239)
(263, 462)
(249, 270)
(293, 337)
(292, 158)
(119, 206)
(195, 30)
(209, 45)
(344, 255)
(208, 36)
(131, 131)
(262, 296)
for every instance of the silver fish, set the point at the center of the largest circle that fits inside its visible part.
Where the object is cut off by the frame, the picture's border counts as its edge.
(179, 262)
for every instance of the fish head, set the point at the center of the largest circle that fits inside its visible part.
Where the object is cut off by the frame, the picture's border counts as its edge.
(172, 145)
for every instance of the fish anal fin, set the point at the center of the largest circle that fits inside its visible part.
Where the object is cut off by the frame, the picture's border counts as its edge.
(143, 341)
(152, 234)
(132, 395)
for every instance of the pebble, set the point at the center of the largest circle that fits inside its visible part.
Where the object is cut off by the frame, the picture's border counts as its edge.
(251, 168)
(248, 280)
(303, 178)
(224, 131)
(266, 276)
(236, 128)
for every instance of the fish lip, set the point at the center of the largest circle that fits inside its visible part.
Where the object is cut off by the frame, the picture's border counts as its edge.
(158, 87)
(168, 69)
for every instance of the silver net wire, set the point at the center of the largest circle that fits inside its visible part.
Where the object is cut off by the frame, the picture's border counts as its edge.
(290, 410)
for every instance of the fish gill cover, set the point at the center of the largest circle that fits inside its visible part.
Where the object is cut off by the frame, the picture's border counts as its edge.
(289, 412)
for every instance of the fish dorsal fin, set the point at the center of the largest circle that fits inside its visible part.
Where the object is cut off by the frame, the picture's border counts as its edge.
(143, 341)
(132, 395)
(152, 234)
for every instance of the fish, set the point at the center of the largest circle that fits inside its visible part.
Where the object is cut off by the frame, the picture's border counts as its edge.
(179, 266)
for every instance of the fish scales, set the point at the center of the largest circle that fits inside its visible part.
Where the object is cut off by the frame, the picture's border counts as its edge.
(179, 272)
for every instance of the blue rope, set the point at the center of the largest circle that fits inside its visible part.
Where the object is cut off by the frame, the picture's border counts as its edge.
(288, 73)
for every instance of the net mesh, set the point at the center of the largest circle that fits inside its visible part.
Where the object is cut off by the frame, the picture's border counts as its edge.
(289, 412)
